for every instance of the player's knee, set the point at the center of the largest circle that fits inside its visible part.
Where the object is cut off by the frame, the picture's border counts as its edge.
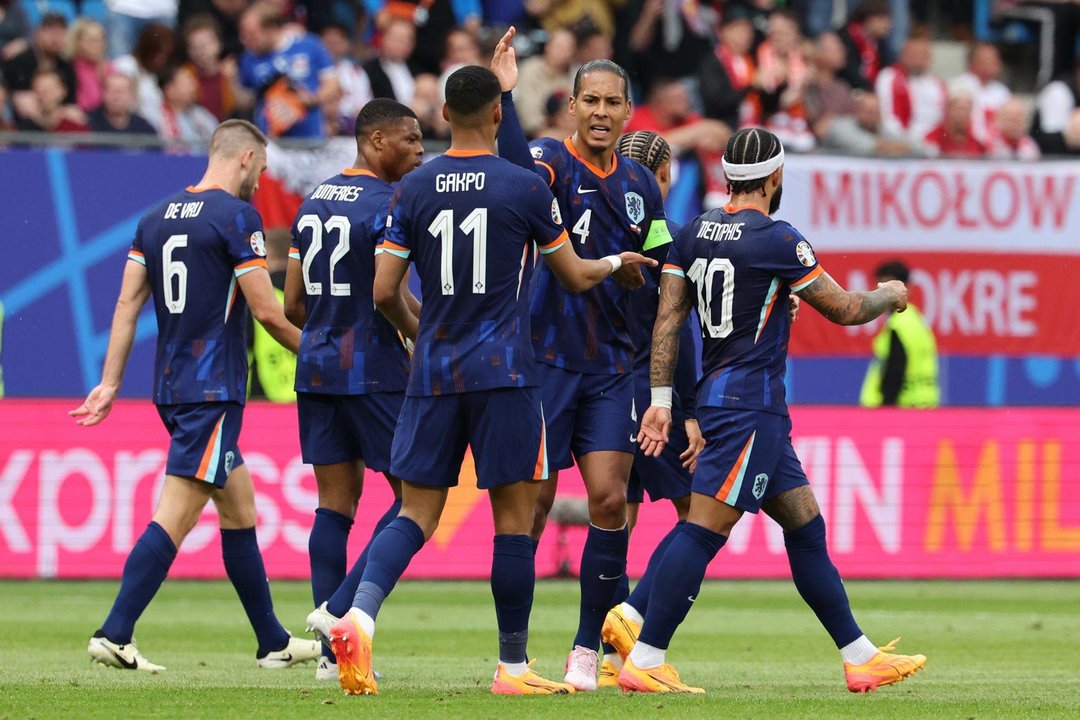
(340, 502)
(608, 510)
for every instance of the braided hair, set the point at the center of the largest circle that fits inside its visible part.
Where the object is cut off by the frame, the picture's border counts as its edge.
(645, 146)
(747, 147)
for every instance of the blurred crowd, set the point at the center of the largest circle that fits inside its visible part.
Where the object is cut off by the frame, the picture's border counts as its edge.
(845, 76)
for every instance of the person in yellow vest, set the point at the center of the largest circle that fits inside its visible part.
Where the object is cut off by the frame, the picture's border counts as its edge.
(904, 371)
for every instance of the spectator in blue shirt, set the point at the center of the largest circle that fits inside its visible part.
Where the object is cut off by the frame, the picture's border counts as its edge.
(291, 74)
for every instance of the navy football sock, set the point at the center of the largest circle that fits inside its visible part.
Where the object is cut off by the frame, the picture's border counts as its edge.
(603, 563)
(639, 599)
(244, 566)
(678, 581)
(340, 602)
(818, 581)
(513, 576)
(144, 571)
(327, 555)
(390, 553)
(621, 594)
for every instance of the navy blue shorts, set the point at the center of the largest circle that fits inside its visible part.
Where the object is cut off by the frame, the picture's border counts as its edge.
(664, 477)
(748, 457)
(504, 427)
(586, 413)
(204, 440)
(340, 428)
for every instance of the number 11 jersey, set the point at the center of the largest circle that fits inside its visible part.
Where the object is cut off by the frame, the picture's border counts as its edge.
(468, 219)
(742, 267)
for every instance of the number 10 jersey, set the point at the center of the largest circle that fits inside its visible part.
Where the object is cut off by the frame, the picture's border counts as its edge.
(468, 220)
(742, 267)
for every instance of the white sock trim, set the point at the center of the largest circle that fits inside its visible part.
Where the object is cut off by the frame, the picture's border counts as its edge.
(367, 623)
(515, 669)
(646, 657)
(631, 613)
(614, 659)
(858, 651)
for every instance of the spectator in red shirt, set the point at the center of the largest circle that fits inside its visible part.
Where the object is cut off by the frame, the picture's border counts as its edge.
(215, 75)
(669, 112)
(954, 137)
(86, 50)
(50, 112)
(865, 37)
(729, 90)
(1011, 139)
(912, 99)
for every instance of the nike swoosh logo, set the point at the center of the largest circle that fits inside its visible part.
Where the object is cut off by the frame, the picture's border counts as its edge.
(691, 598)
(286, 658)
(602, 577)
(128, 664)
(583, 191)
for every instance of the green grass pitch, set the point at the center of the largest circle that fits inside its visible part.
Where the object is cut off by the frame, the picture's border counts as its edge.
(996, 650)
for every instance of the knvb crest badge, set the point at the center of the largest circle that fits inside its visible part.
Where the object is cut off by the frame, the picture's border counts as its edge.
(760, 483)
(635, 207)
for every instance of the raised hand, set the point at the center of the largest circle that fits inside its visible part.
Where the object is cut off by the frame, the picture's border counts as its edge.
(504, 61)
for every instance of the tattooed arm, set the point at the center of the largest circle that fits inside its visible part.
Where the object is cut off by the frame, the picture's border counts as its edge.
(675, 304)
(853, 308)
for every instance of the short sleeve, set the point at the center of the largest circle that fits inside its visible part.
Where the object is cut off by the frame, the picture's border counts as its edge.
(395, 237)
(378, 224)
(546, 154)
(791, 258)
(246, 244)
(676, 263)
(135, 253)
(544, 219)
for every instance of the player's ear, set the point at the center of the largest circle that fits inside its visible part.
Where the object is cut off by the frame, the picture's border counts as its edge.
(572, 104)
(497, 117)
(376, 138)
(247, 158)
(445, 113)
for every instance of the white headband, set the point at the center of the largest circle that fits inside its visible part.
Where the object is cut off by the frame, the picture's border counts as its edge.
(753, 171)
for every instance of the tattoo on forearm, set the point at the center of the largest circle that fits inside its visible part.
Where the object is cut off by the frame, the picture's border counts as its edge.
(840, 306)
(675, 304)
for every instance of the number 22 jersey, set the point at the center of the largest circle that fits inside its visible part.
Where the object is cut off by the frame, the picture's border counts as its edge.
(742, 267)
(195, 246)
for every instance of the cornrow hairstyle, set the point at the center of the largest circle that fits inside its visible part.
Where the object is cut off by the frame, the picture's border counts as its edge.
(747, 147)
(379, 113)
(601, 65)
(645, 146)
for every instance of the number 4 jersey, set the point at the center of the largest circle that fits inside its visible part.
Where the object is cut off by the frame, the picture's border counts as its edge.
(742, 267)
(347, 347)
(195, 246)
(468, 220)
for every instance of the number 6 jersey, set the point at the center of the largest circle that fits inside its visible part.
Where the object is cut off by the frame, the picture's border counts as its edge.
(742, 267)
(195, 246)
(347, 346)
(467, 219)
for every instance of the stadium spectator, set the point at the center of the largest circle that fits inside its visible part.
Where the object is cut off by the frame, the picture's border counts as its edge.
(427, 103)
(116, 113)
(1055, 105)
(148, 58)
(726, 76)
(461, 50)
(7, 120)
(14, 29)
(181, 117)
(543, 75)
(981, 83)
(353, 81)
(129, 18)
(1011, 139)
(226, 13)
(431, 20)
(782, 71)
(864, 37)
(826, 95)
(912, 99)
(657, 38)
(554, 14)
(670, 113)
(51, 112)
(593, 45)
(904, 371)
(45, 53)
(390, 73)
(860, 133)
(558, 122)
(1071, 135)
(290, 73)
(955, 136)
(216, 75)
(86, 52)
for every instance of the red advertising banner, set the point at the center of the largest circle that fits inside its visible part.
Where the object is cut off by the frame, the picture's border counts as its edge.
(947, 493)
(976, 303)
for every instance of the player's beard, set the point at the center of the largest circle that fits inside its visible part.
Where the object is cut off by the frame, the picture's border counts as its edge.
(774, 204)
(247, 187)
